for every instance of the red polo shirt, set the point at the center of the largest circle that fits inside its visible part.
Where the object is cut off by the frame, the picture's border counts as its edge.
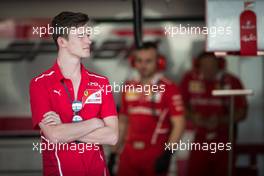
(197, 95)
(149, 114)
(47, 93)
(149, 111)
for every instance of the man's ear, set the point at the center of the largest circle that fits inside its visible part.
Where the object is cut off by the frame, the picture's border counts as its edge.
(62, 42)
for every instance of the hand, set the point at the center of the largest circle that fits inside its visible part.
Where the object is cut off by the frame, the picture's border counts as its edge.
(51, 118)
(163, 162)
(111, 163)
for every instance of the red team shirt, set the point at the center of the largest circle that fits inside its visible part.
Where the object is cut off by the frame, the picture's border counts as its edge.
(149, 125)
(197, 94)
(149, 115)
(47, 93)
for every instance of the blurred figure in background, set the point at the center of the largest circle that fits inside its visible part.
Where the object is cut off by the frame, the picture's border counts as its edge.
(149, 118)
(209, 114)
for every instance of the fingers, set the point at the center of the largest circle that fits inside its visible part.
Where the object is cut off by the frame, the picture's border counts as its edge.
(51, 123)
(49, 113)
(51, 118)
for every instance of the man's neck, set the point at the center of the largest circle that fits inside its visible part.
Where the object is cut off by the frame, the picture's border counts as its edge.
(70, 66)
(152, 79)
(147, 80)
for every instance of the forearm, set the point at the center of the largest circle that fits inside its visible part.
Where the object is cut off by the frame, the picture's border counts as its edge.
(163, 161)
(104, 135)
(68, 132)
(123, 126)
(177, 130)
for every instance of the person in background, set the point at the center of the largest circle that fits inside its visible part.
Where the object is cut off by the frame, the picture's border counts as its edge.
(210, 114)
(148, 119)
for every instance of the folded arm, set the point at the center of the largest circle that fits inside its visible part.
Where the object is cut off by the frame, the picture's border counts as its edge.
(57, 132)
(104, 135)
(178, 126)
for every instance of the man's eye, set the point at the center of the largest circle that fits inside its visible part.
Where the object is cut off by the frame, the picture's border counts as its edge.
(138, 60)
(148, 61)
(81, 36)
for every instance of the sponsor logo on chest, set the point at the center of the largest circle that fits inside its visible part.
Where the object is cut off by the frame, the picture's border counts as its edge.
(92, 96)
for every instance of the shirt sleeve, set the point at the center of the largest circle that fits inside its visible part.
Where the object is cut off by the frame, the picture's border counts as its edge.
(123, 108)
(108, 104)
(39, 102)
(184, 89)
(174, 101)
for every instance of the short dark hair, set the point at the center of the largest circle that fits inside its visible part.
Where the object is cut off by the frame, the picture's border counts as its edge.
(220, 60)
(206, 54)
(67, 20)
(148, 45)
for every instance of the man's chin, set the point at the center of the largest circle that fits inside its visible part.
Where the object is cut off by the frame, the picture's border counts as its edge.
(86, 55)
(145, 75)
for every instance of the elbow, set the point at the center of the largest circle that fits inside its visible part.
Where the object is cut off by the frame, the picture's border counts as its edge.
(113, 139)
(50, 138)
(55, 137)
(52, 134)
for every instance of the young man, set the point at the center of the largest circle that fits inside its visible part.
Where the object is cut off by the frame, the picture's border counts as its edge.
(70, 105)
(149, 118)
(210, 114)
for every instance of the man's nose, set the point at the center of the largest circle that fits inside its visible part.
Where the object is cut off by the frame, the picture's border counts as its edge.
(87, 40)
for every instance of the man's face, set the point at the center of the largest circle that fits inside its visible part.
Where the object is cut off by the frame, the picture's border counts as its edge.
(78, 42)
(145, 62)
(209, 67)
